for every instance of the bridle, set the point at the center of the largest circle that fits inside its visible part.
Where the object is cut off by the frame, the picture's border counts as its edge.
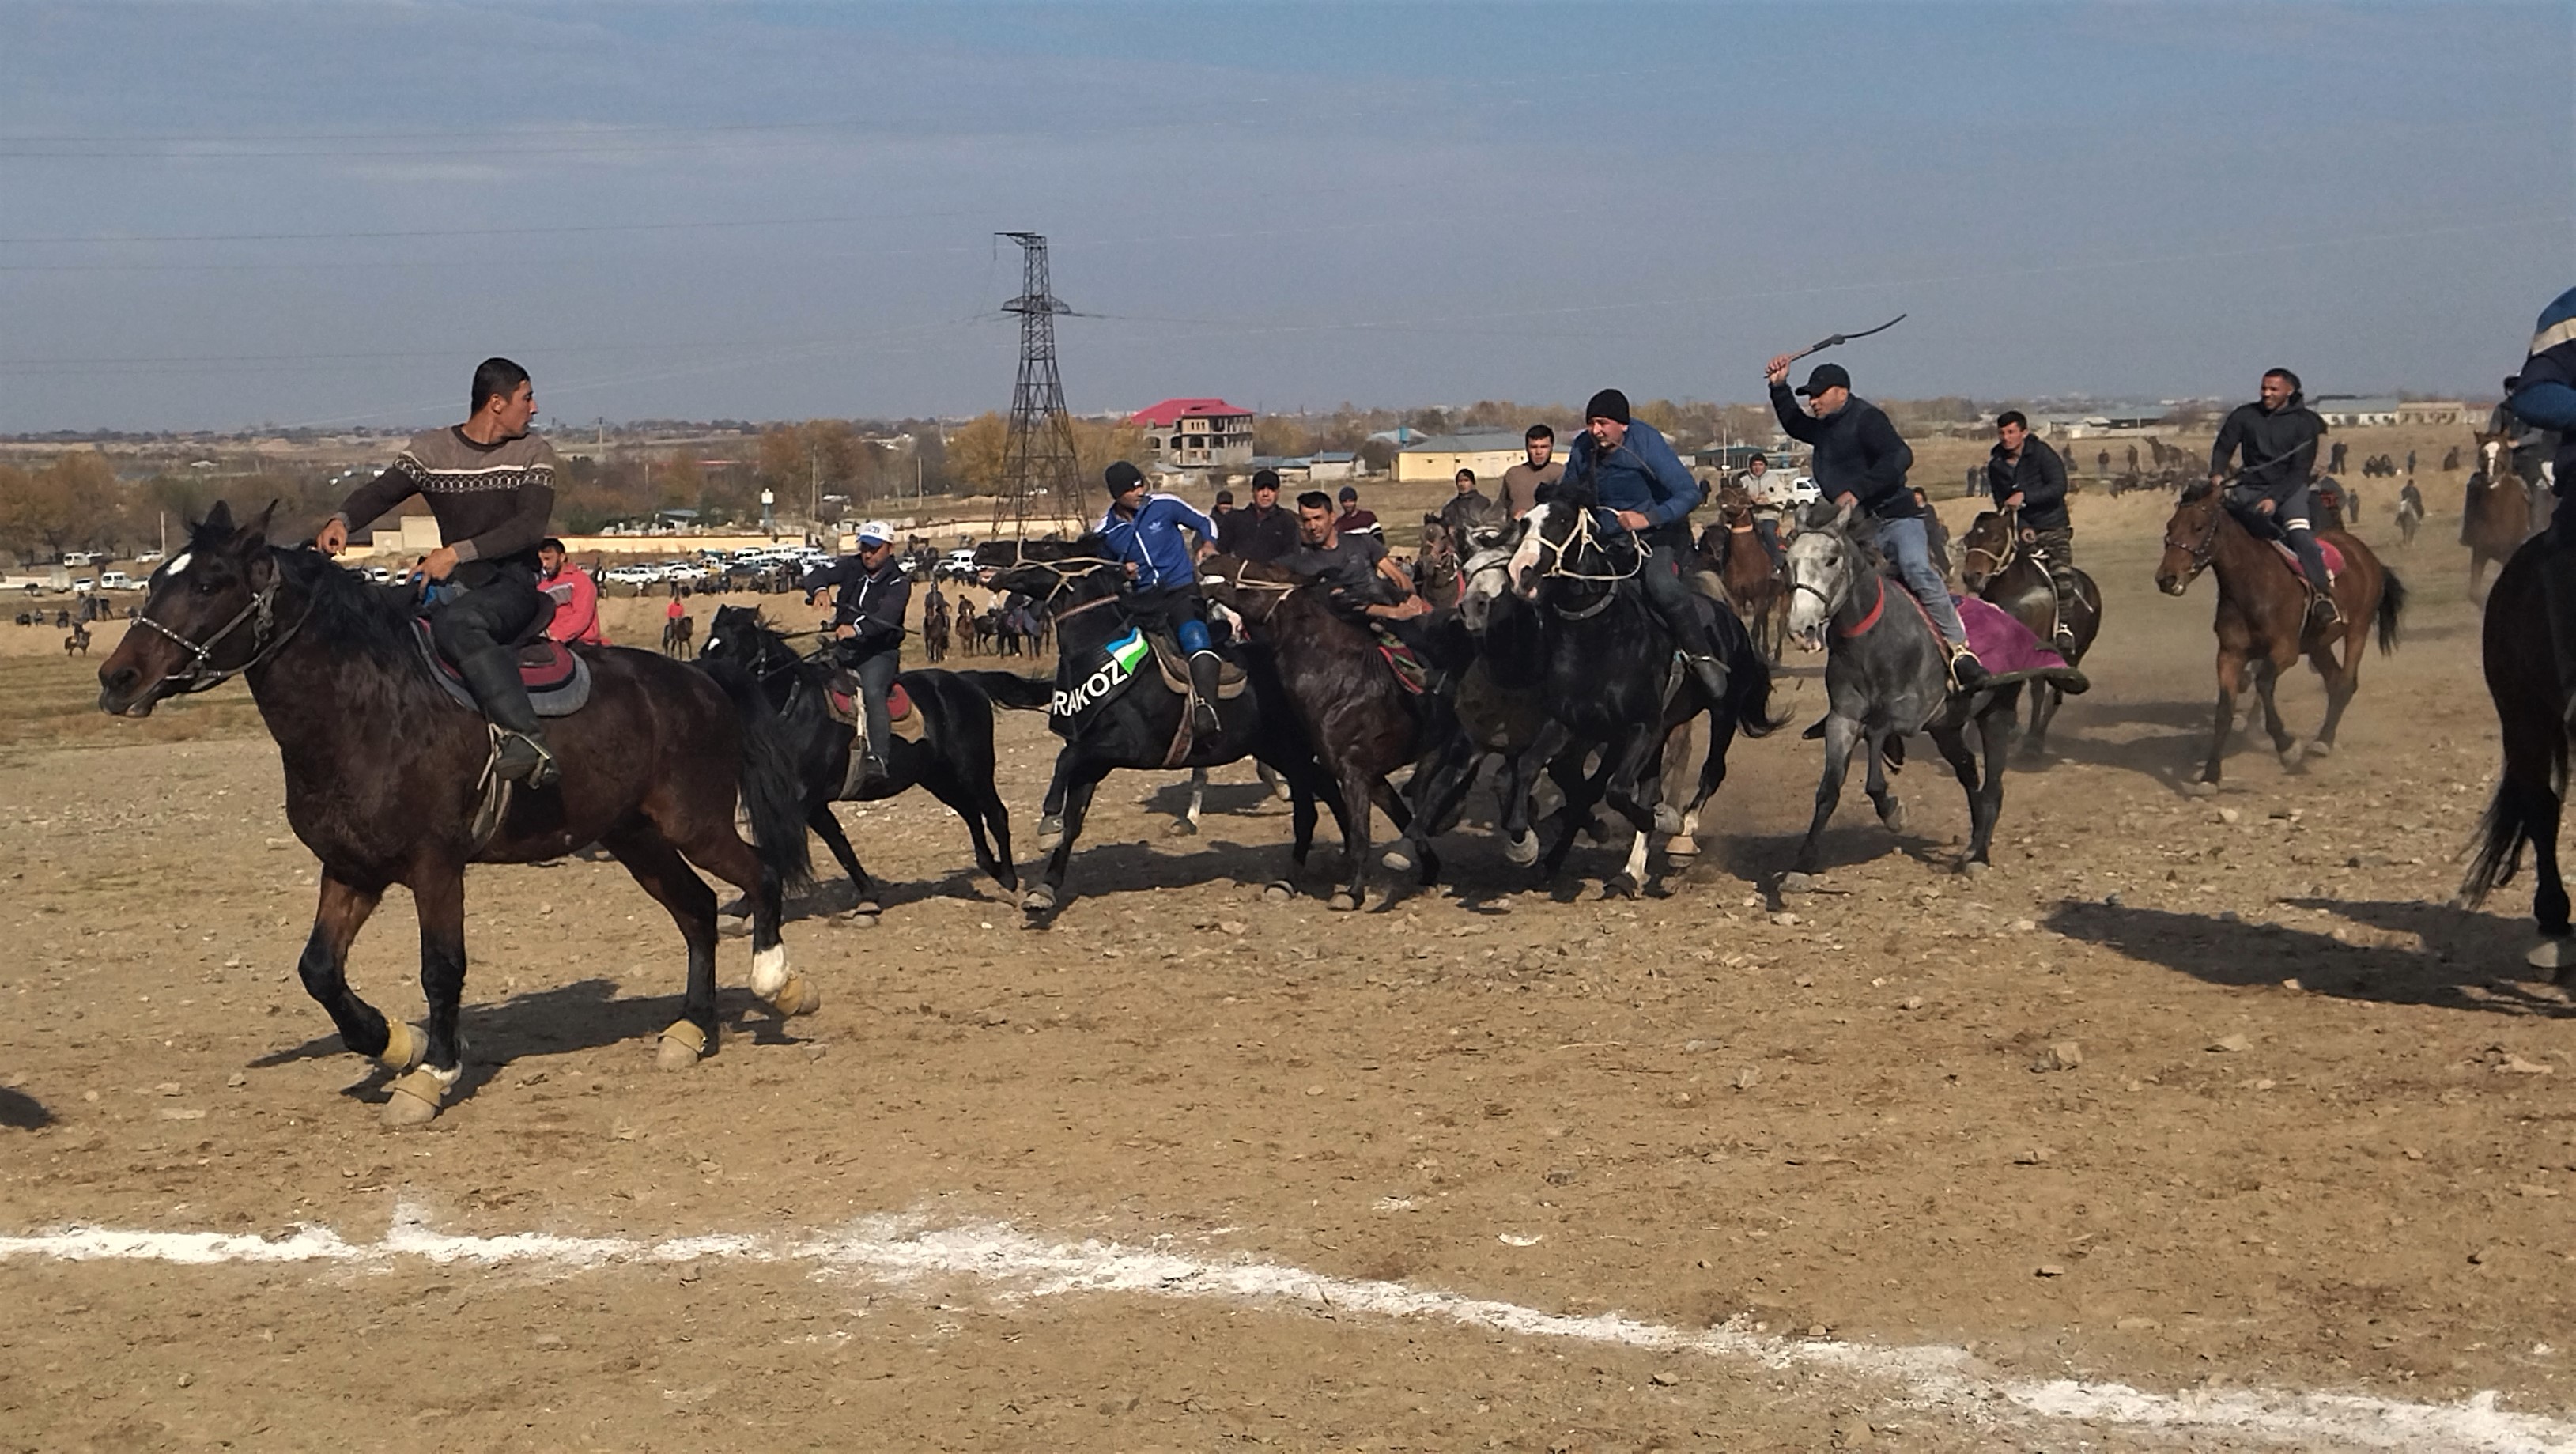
(2202, 550)
(2011, 552)
(260, 615)
(1560, 553)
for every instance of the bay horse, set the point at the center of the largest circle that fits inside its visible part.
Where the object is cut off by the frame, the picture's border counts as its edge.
(1436, 575)
(383, 783)
(2521, 660)
(1606, 667)
(1996, 564)
(1756, 585)
(954, 759)
(2496, 516)
(1887, 676)
(2263, 624)
(1077, 587)
(1362, 719)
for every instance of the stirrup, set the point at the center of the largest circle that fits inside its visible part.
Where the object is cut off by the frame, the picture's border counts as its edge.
(1963, 661)
(523, 758)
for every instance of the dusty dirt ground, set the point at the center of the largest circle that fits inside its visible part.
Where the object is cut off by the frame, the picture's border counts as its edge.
(2322, 1134)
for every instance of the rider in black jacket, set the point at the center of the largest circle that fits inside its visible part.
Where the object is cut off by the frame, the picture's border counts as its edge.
(867, 620)
(2277, 440)
(2023, 473)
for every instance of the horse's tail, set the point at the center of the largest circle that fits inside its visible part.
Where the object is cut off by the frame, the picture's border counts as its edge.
(773, 787)
(2392, 602)
(2519, 813)
(1010, 690)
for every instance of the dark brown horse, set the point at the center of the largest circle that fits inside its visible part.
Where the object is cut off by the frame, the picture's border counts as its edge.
(2530, 703)
(1996, 563)
(1363, 721)
(1757, 586)
(2496, 517)
(383, 783)
(1435, 566)
(2263, 620)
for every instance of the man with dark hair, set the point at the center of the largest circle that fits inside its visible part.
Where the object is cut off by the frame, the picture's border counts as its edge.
(1860, 461)
(1466, 510)
(1635, 476)
(576, 616)
(867, 631)
(1770, 491)
(1355, 521)
(1523, 481)
(1263, 532)
(1224, 505)
(490, 484)
(2276, 439)
(1162, 573)
(1359, 578)
(2024, 474)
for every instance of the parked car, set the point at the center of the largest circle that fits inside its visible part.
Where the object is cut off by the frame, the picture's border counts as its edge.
(83, 585)
(116, 580)
(957, 565)
(149, 557)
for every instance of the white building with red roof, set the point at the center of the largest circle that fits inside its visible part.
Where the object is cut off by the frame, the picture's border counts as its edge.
(1196, 433)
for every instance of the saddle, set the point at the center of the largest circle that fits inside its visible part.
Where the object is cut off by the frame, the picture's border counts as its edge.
(557, 679)
(1175, 667)
(2290, 558)
(843, 694)
(1411, 672)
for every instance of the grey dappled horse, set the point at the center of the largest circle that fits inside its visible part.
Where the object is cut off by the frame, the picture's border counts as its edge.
(1886, 676)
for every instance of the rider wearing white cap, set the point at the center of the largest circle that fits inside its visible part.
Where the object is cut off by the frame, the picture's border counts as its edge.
(867, 620)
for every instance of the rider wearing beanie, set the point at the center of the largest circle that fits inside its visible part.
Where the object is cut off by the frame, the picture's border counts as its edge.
(1144, 532)
(1635, 474)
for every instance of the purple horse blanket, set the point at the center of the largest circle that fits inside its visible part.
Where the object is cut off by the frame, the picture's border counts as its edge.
(2000, 641)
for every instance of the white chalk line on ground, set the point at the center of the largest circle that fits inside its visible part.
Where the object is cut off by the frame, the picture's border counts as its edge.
(903, 1249)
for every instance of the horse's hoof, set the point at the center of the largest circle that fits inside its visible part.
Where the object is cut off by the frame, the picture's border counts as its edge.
(1281, 790)
(2320, 748)
(1619, 886)
(683, 1045)
(2200, 790)
(1038, 900)
(404, 1047)
(1668, 819)
(1279, 893)
(1894, 818)
(2557, 954)
(1184, 828)
(1682, 845)
(1973, 868)
(1521, 851)
(796, 997)
(1050, 832)
(2292, 755)
(863, 914)
(1342, 902)
(414, 1099)
(1396, 860)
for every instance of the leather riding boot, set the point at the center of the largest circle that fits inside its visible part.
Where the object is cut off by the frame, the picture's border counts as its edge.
(1965, 670)
(493, 678)
(1203, 670)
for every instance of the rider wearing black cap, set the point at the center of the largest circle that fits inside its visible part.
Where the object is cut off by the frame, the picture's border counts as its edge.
(1635, 475)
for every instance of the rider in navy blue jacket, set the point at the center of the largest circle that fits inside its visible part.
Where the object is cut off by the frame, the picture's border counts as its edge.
(1635, 474)
(2544, 392)
(2276, 439)
(1162, 573)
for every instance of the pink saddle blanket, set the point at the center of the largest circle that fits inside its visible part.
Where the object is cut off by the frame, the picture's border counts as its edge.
(2290, 558)
(2001, 642)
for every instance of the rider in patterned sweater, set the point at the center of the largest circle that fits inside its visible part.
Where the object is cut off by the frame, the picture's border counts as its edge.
(1144, 532)
(490, 485)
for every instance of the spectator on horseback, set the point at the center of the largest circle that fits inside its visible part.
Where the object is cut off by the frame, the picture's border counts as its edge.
(867, 628)
(576, 595)
(490, 484)
(1770, 491)
(1860, 459)
(1468, 509)
(1637, 478)
(1262, 533)
(1537, 470)
(1144, 532)
(2276, 440)
(2024, 474)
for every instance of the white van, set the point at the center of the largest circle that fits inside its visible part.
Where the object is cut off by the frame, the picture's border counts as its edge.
(116, 580)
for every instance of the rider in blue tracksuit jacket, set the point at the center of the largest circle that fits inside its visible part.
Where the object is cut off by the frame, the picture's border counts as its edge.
(1635, 475)
(2544, 396)
(1144, 532)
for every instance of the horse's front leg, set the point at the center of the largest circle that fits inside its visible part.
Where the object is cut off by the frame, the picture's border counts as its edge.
(337, 918)
(1357, 824)
(2231, 674)
(2342, 679)
(2267, 681)
(438, 898)
(1051, 808)
(1840, 733)
(1891, 808)
(1518, 781)
(1044, 897)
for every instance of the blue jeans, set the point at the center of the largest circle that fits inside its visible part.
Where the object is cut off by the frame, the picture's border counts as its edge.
(1904, 542)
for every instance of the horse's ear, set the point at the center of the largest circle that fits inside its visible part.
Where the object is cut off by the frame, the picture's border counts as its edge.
(2195, 492)
(255, 529)
(1843, 514)
(220, 518)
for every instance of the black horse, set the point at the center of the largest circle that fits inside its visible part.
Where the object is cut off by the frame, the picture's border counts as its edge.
(1077, 584)
(383, 775)
(2521, 659)
(1605, 667)
(953, 759)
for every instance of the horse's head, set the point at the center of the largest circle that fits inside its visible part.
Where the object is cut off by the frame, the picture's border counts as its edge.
(738, 634)
(1990, 544)
(1825, 561)
(1249, 589)
(2191, 537)
(2495, 456)
(1056, 572)
(207, 614)
(1436, 541)
(1734, 503)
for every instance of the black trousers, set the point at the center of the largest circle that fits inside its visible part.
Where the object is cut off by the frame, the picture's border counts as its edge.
(500, 601)
(1671, 598)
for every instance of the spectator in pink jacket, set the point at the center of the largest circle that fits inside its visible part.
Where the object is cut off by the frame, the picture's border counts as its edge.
(576, 596)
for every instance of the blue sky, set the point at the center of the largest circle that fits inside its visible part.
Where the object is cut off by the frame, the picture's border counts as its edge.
(227, 214)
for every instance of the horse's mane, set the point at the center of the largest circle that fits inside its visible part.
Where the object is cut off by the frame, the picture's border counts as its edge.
(2195, 492)
(348, 611)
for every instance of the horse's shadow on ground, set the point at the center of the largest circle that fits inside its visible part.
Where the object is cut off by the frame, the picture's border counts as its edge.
(1173, 799)
(2475, 963)
(22, 1112)
(585, 1015)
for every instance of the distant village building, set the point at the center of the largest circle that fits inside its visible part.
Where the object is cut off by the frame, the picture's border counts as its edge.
(1439, 457)
(2357, 413)
(1196, 433)
(2433, 411)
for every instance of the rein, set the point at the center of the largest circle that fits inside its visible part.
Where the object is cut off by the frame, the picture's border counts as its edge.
(1572, 549)
(260, 613)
